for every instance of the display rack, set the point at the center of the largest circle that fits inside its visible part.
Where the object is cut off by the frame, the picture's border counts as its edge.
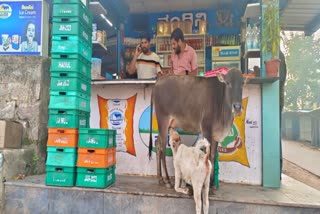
(252, 11)
(96, 9)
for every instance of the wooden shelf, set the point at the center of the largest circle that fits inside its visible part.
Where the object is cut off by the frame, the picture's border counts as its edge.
(96, 9)
(97, 46)
(185, 35)
(252, 10)
(164, 52)
(134, 46)
(252, 53)
(262, 80)
(122, 81)
(199, 65)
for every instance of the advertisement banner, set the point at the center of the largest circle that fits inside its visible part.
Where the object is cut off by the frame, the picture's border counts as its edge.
(21, 27)
(117, 114)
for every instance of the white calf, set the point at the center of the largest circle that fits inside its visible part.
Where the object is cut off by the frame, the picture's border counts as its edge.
(193, 166)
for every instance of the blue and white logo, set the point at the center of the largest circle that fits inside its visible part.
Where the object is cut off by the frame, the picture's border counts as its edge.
(116, 118)
(5, 11)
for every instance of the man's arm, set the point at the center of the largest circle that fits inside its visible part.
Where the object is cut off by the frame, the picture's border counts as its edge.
(158, 66)
(194, 64)
(171, 65)
(132, 67)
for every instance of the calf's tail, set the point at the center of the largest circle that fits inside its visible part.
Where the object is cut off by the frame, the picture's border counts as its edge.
(207, 155)
(150, 137)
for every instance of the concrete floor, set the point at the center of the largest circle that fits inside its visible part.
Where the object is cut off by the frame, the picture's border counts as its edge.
(133, 194)
(303, 155)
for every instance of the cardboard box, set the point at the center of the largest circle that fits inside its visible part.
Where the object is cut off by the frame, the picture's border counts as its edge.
(10, 134)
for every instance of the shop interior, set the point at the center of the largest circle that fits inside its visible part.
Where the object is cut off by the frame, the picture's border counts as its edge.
(212, 28)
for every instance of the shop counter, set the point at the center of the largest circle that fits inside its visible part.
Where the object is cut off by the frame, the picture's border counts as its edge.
(257, 80)
(124, 105)
(122, 82)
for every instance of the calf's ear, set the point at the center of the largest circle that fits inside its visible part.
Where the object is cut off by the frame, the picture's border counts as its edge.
(220, 76)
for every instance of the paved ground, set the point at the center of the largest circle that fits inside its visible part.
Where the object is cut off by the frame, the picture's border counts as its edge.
(301, 162)
(303, 155)
(292, 193)
(300, 174)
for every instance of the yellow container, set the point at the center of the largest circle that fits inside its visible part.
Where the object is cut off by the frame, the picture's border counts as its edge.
(160, 28)
(202, 27)
(188, 27)
(174, 25)
(166, 28)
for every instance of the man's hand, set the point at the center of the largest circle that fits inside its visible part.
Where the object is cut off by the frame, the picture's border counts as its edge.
(122, 74)
(138, 50)
(132, 67)
(166, 72)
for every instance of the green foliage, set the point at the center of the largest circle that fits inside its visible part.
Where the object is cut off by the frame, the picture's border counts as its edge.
(35, 160)
(271, 28)
(27, 141)
(303, 80)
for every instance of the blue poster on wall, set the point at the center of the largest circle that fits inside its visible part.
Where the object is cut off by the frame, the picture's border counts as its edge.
(21, 27)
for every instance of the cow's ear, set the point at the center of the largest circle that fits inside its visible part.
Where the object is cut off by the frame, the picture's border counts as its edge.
(220, 77)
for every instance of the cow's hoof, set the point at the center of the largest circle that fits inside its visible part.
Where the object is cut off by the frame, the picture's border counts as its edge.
(212, 191)
(169, 185)
(161, 182)
(190, 190)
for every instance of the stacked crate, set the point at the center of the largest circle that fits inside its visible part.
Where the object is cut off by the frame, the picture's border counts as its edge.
(70, 90)
(96, 158)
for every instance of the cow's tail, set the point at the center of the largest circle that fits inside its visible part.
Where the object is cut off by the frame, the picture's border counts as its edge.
(150, 137)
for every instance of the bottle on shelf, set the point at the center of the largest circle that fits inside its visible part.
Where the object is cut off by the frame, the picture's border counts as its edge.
(255, 37)
(249, 37)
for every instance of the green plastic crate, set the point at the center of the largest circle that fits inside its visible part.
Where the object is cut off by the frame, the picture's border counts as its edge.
(64, 81)
(60, 176)
(71, 63)
(95, 177)
(71, 45)
(69, 100)
(97, 138)
(61, 156)
(65, 118)
(73, 9)
(71, 26)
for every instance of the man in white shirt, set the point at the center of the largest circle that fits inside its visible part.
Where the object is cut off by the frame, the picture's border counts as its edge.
(145, 62)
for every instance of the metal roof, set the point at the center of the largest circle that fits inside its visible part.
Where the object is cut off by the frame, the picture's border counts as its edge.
(300, 15)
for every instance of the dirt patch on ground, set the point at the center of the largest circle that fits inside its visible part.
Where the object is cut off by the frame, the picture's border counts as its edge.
(302, 175)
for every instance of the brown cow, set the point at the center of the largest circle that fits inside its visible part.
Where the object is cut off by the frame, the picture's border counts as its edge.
(196, 104)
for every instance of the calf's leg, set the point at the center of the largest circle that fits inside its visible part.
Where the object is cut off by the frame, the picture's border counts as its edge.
(177, 177)
(205, 194)
(197, 196)
(207, 133)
